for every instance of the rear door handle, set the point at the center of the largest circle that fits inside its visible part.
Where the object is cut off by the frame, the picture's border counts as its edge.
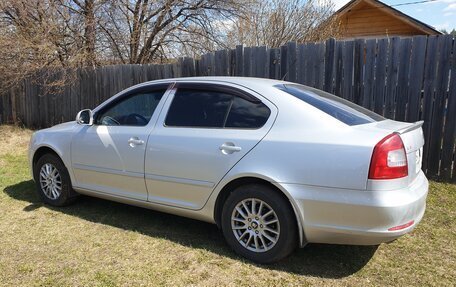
(229, 148)
(134, 141)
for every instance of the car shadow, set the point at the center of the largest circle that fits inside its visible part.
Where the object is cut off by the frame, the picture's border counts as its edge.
(320, 260)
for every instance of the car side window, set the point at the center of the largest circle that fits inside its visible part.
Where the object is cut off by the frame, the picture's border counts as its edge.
(215, 109)
(246, 114)
(133, 110)
(198, 108)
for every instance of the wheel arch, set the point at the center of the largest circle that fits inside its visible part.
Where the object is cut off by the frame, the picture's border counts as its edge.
(245, 180)
(42, 150)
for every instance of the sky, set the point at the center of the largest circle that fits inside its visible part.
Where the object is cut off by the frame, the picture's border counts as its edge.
(440, 14)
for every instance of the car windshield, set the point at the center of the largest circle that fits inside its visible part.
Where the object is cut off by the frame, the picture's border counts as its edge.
(341, 109)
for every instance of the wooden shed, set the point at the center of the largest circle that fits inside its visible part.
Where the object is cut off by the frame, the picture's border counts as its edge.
(372, 18)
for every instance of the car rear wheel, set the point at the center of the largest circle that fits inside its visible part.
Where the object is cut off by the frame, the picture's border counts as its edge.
(259, 223)
(53, 181)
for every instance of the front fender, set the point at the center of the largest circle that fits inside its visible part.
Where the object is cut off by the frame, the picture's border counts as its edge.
(58, 139)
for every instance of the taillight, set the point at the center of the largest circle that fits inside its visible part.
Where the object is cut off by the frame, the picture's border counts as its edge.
(389, 159)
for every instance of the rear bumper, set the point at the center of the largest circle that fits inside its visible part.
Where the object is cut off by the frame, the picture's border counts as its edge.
(359, 217)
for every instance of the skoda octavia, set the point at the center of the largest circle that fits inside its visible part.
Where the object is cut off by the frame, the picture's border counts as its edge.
(274, 164)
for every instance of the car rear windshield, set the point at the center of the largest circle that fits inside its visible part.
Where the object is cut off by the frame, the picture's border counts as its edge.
(343, 110)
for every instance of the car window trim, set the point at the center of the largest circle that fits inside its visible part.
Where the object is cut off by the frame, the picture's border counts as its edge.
(218, 88)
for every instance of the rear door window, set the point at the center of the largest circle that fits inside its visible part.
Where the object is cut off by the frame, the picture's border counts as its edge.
(198, 108)
(215, 109)
(341, 109)
(246, 114)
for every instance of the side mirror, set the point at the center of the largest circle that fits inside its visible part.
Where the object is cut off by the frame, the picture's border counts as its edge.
(85, 117)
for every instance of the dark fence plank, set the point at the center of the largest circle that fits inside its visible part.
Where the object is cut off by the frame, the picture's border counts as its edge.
(247, 59)
(291, 62)
(239, 60)
(405, 50)
(301, 63)
(3, 109)
(391, 79)
(428, 93)
(221, 63)
(283, 63)
(449, 134)
(369, 72)
(13, 104)
(419, 46)
(232, 57)
(259, 65)
(319, 65)
(309, 56)
(188, 67)
(274, 63)
(348, 67)
(314, 63)
(380, 75)
(436, 124)
(338, 69)
(330, 46)
(358, 70)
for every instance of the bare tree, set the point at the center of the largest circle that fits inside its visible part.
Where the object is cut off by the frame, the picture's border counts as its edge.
(35, 35)
(84, 13)
(276, 22)
(53, 34)
(143, 31)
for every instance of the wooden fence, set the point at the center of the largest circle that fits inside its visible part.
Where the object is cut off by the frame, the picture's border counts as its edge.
(406, 79)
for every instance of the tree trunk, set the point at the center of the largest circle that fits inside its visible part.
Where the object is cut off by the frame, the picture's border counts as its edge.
(89, 32)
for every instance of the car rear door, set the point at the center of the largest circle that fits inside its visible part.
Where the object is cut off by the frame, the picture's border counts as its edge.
(204, 131)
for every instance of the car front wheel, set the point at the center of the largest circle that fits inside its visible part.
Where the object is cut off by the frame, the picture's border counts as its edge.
(259, 223)
(53, 181)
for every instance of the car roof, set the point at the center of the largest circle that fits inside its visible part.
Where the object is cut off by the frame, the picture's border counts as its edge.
(248, 82)
(262, 86)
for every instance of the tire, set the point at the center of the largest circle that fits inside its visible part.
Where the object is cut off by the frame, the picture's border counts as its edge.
(240, 234)
(57, 190)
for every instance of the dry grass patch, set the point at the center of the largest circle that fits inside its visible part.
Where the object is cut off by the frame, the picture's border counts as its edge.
(14, 140)
(100, 243)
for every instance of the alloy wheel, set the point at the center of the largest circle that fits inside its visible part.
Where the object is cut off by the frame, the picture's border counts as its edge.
(50, 181)
(255, 225)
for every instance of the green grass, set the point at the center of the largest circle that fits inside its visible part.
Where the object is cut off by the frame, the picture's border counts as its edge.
(101, 243)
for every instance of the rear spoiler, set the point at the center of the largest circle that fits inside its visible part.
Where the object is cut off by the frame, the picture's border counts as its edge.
(412, 127)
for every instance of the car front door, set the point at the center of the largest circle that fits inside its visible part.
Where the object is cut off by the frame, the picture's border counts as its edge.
(108, 157)
(206, 130)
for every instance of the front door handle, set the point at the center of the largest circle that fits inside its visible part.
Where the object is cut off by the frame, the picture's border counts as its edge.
(229, 148)
(134, 141)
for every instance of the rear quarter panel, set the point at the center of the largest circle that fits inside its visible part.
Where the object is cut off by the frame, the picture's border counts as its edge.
(307, 146)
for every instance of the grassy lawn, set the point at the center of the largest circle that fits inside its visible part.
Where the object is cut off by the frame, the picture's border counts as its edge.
(101, 243)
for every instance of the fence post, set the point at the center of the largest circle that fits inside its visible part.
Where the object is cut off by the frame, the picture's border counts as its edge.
(291, 61)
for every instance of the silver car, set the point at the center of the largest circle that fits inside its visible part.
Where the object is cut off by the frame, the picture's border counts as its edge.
(274, 164)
